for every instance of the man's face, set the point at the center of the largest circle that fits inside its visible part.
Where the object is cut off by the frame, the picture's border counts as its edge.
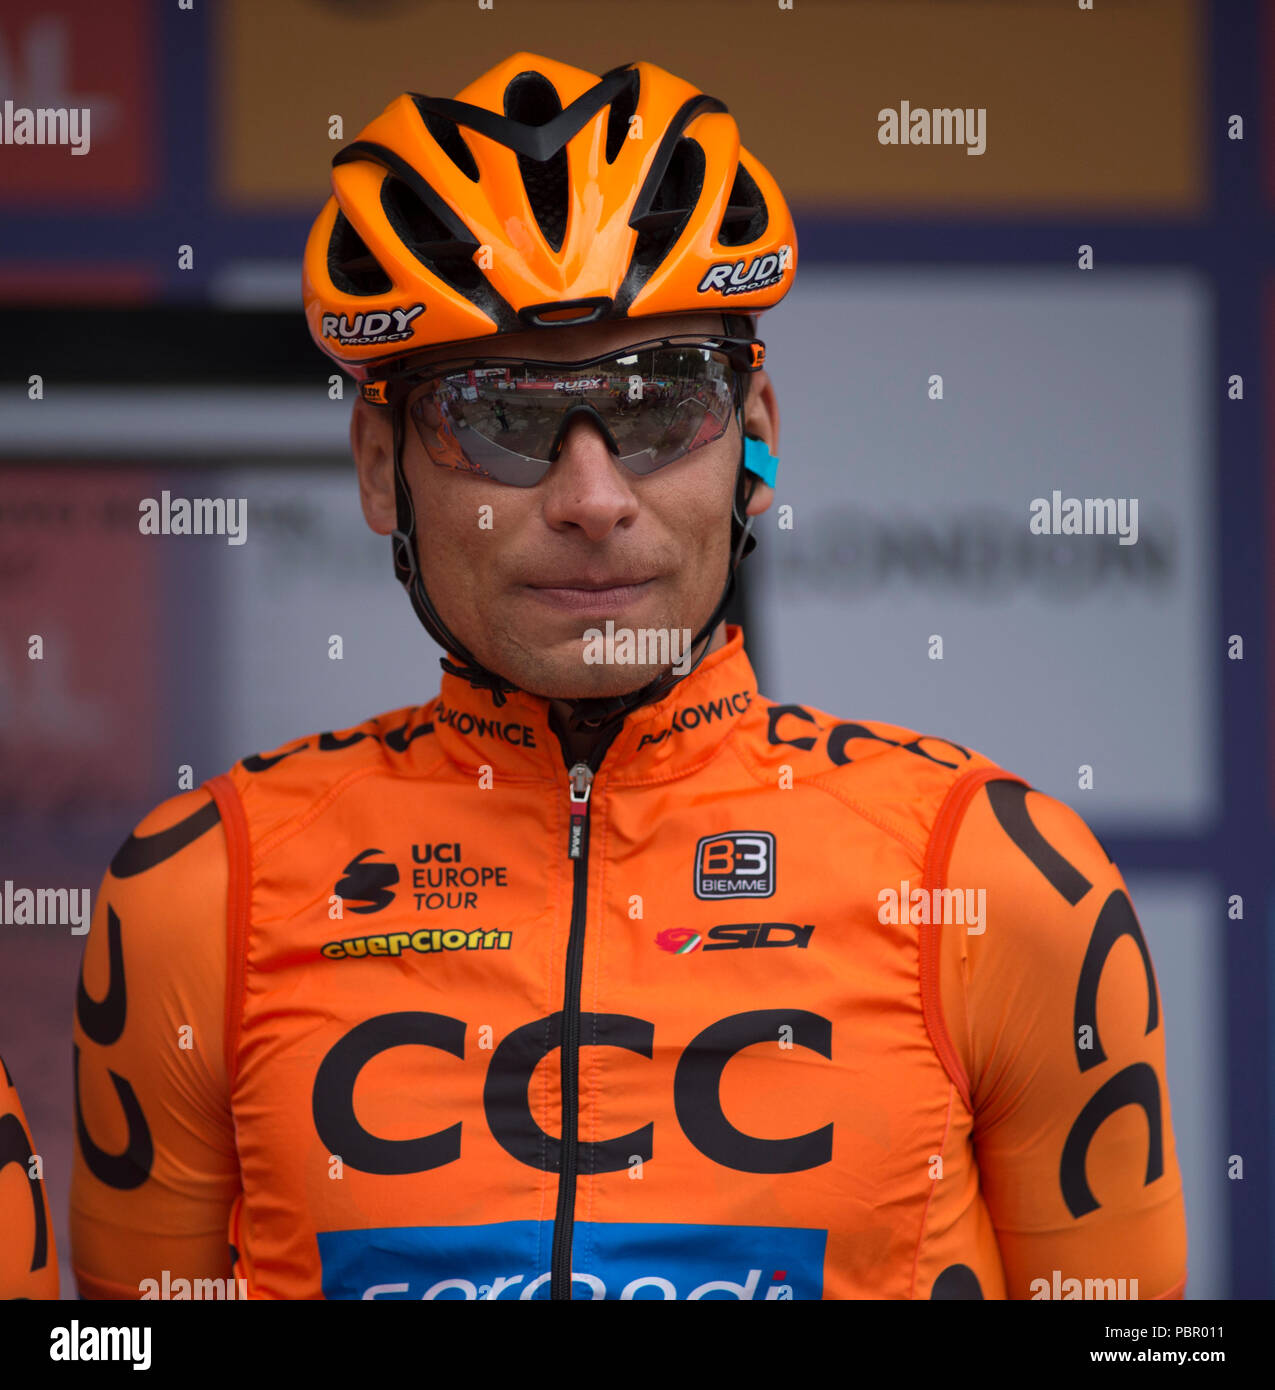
(590, 542)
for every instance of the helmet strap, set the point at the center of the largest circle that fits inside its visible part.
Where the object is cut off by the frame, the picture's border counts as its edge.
(407, 571)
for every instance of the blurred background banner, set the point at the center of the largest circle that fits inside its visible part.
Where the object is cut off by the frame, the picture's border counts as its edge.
(61, 715)
(213, 125)
(78, 54)
(153, 340)
(1128, 84)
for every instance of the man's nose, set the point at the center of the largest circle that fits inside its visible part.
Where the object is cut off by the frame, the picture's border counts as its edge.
(586, 485)
(582, 414)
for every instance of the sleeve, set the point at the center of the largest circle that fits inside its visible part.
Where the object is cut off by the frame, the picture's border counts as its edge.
(1055, 1009)
(28, 1258)
(155, 1172)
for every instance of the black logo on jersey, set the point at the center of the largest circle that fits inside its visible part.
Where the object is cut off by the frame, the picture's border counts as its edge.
(692, 716)
(511, 1115)
(15, 1147)
(367, 882)
(735, 864)
(749, 935)
(1135, 1084)
(141, 852)
(682, 941)
(102, 1021)
(845, 733)
(396, 740)
(957, 1281)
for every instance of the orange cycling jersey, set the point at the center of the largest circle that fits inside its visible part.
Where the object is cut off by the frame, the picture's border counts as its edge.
(28, 1258)
(772, 1005)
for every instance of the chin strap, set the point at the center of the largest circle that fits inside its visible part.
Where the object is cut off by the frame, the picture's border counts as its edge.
(589, 712)
(407, 572)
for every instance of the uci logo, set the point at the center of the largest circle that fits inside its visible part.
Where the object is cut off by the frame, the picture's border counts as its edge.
(368, 882)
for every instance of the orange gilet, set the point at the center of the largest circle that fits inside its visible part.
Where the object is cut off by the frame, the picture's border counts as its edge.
(770, 1005)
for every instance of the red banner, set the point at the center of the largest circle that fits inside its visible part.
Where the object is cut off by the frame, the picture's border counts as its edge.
(78, 107)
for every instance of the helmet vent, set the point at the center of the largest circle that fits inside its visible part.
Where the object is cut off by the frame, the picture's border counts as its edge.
(746, 216)
(671, 207)
(449, 137)
(533, 100)
(623, 105)
(428, 238)
(353, 268)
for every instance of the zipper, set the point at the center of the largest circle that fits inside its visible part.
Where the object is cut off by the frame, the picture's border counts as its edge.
(580, 779)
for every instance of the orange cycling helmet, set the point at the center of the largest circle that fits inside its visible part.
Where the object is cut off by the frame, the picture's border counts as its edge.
(542, 196)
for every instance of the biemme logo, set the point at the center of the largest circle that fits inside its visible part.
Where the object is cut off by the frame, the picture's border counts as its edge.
(735, 864)
(625, 1260)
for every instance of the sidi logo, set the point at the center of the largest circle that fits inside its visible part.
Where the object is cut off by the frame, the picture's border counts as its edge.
(382, 326)
(681, 941)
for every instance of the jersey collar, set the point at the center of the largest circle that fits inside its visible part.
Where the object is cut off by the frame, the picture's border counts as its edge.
(669, 738)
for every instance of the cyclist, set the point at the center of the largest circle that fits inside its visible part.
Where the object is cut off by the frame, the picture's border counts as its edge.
(599, 974)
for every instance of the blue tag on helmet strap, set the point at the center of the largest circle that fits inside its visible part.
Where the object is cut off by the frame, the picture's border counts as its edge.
(759, 460)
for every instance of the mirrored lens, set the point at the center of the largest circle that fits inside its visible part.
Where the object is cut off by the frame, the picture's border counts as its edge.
(502, 421)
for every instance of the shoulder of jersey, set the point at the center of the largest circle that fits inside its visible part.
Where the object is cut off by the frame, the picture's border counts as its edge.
(305, 769)
(878, 759)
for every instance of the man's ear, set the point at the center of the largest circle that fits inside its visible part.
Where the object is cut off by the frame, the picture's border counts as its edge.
(761, 421)
(372, 444)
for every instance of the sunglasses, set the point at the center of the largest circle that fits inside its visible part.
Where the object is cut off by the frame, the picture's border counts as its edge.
(507, 418)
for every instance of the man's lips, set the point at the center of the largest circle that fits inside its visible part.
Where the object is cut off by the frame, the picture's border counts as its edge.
(591, 581)
(590, 595)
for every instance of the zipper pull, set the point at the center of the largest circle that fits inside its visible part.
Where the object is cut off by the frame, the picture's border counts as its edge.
(581, 778)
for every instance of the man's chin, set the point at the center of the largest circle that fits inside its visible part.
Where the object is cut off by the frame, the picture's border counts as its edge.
(582, 669)
(600, 682)
(594, 660)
